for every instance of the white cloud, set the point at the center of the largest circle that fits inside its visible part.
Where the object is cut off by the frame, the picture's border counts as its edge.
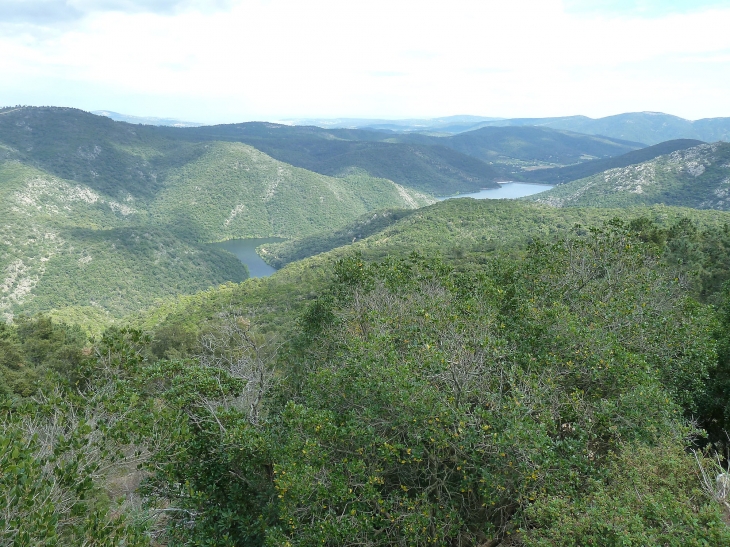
(54, 12)
(281, 58)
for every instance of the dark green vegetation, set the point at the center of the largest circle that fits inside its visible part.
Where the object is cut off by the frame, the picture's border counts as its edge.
(471, 373)
(280, 254)
(429, 167)
(441, 165)
(534, 396)
(696, 177)
(99, 218)
(532, 146)
(560, 175)
(33, 350)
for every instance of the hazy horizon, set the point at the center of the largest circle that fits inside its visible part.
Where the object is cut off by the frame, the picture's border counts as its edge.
(215, 61)
(382, 118)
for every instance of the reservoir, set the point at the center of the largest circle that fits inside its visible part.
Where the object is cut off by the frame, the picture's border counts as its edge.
(506, 190)
(245, 251)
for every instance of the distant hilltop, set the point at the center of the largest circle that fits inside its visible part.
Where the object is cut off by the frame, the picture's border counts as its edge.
(645, 127)
(145, 120)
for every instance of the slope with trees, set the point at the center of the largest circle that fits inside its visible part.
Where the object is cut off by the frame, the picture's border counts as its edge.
(646, 127)
(537, 145)
(407, 403)
(234, 190)
(560, 175)
(428, 166)
(468, 161)
(696, 177)
(99, 218)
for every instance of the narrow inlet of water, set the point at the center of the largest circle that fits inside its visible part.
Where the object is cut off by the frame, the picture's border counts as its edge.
(245, 251)
(506, 190)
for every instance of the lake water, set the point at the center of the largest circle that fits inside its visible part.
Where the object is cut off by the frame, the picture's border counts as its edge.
(506, 190)
(245, 250)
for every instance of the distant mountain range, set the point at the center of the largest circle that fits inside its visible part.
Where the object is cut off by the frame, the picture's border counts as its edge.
(527, 147)
(647, 128)
(644, 127)
(439, 165)
(447, 124)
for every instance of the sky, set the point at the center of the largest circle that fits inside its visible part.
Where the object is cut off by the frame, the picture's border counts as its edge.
(216, 61)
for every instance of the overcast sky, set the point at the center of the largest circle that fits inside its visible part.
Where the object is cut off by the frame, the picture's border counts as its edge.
(238, 60)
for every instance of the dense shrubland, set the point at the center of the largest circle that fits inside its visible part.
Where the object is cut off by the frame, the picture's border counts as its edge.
(551, 397)
(466, 374)
(466, 232)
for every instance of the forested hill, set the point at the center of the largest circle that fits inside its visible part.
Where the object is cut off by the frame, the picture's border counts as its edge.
(696, 177)
(559, 175)
(464, 230)
(429, 167)
(489, 154)
(646, 127)
(114, 158)
(532, 145)
(100, 218)
(473, 373)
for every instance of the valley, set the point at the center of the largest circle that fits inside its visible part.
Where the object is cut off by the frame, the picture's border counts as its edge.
(264, 334)
(101, 219)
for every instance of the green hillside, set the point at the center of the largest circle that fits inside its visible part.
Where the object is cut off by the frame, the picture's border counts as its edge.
(63, 245)
(560, 175)
(533, 146)
(697, 177)
(442, 165)
(236, 191)
(99, 218)
(465, 232)
(474, 372)
(646, 127)
(429, 166)
(464, 229)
